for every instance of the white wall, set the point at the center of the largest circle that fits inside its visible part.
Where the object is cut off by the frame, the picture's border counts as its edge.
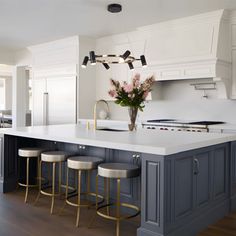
(23, 57)
(181, 101)
(2, 94)
(7, 57)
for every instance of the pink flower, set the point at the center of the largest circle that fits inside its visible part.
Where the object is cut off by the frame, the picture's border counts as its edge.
(136, 80)
(145, 95)
(112, 93)
(128, 88)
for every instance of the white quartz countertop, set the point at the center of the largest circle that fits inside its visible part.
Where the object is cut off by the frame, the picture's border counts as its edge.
(223, 127)
(144, 141)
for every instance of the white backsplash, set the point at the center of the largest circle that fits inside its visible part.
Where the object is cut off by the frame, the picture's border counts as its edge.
(179, 100)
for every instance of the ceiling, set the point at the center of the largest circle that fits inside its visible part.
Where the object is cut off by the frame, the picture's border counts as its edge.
(29, 22)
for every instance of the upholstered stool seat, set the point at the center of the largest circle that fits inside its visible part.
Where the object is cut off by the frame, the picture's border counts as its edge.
(52, 157)
(87, 164)
(29, 153)
(117, 171)
(83, 162)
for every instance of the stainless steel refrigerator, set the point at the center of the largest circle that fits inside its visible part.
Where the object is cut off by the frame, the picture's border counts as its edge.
(54, 100)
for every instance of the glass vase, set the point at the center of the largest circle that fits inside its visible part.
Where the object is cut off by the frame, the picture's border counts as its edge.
(133, 111)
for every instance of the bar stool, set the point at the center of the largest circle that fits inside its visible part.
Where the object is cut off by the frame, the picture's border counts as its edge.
(53, 157)
(29, 153)
(86, 164)
(117, 171)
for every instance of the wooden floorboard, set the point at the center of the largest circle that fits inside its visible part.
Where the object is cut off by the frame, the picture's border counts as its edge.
(224, 227)
(17, 218)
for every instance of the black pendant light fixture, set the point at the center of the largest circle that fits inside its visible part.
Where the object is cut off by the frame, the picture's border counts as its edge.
(112, 58)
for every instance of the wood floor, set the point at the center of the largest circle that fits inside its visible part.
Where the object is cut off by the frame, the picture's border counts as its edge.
(17, 218)
(224, 227)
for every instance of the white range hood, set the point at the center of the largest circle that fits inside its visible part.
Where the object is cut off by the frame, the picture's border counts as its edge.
(195, 47)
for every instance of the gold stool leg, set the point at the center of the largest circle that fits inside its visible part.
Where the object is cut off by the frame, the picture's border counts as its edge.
(96, 202)
(118, 209)
(88, 186)
(96, 190)
(67, 186)
(27, 180)
(38, 162)
(108, 196)
(79, 192)
(39, 180)
(59, 178)
(53, 186)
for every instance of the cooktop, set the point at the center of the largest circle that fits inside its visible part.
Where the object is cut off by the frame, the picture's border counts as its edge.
(173, 121)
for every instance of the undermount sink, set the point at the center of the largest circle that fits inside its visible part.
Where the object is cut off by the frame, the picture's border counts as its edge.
(110, 129)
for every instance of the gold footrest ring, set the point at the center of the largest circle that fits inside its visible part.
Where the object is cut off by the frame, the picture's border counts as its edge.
(109, 217)
(56, 194)
(29, 185)
(73, 190)
(90, 203)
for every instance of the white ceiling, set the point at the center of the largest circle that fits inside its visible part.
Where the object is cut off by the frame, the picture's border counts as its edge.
(29, 22)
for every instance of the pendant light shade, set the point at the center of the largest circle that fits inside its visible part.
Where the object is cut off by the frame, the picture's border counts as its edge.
(106, 66)
(92, 57)
(126, 54)
(131, 67)
(85, 62)
(143, 61)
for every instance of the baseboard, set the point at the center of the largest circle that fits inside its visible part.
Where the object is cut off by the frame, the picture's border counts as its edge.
(144, 232)
(233, 203)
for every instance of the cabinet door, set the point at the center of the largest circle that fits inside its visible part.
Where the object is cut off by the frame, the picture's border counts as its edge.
(61, 100)
(202, 178)
(220, 172)
(183, 187)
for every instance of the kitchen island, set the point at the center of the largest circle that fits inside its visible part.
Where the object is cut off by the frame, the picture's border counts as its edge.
(188, 180)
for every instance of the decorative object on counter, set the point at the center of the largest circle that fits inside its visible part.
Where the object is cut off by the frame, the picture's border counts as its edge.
(132, 95)
(113, 59)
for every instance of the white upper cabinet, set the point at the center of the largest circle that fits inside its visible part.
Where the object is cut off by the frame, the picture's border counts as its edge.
(195, 47)
(233, 50)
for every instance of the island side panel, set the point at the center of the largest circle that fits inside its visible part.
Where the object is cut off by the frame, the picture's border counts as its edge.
(1, 162)
(152, 207)
(183, 193)
(233, 176)
(9, 164)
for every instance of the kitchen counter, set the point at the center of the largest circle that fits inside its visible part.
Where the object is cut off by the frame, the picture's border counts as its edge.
(146, 141)
(223, 128)
(188, 179)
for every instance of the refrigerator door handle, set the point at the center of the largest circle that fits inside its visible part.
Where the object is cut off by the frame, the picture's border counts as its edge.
(45, 109)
